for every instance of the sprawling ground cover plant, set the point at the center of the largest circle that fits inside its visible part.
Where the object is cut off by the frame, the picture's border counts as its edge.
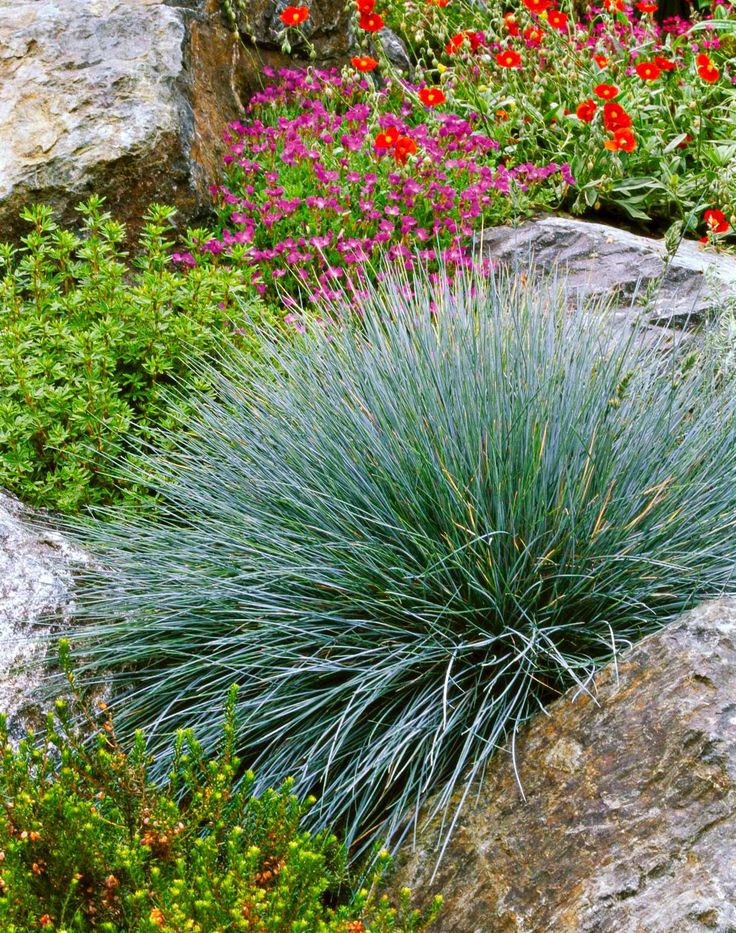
(87, 341)
(329, 173)
(87, 842)
(407, 534)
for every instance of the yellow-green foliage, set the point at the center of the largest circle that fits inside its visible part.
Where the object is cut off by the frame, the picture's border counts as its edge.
(87, 842)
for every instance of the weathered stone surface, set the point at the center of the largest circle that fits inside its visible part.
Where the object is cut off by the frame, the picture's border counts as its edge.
(603, 260)
(629, 822)
(326, 39)
(35, 579)
(126, 98)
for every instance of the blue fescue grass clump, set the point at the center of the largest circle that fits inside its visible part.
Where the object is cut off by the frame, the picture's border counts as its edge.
(404, 535)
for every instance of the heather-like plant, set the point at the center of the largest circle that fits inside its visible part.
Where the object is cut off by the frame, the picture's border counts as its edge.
(88, 842)
(88, 339)
(412, 530)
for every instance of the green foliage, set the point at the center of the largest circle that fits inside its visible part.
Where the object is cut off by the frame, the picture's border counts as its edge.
(89, 843)
(421, 530)
(87, 342)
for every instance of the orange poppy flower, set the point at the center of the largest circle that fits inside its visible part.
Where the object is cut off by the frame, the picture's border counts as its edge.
(537, 6)
(623, 139)
(586, 110)
(615, 117)
(716, 222)
(387, 139)
(508, 59)
(600, 60)
(371, 22)
(706, 69)
(533, 35)
(664, 64)
(557, 20)
(647, 71)
(605, 91)
(455, 43)
(432, 96)
(364, 63)
(294, 15)
(405, 146)
(511, 24)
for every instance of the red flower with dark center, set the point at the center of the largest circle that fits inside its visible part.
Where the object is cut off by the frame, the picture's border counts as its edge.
(557, 20)
(455, 43)
(508, 59)
(432, 96)
(716, 222)
(371, 22)
(623, 139)
(600, 60)
(387, 139)
(365, 6)
(511, 24)
(647, 71)
(615, 117)
(605, 91)
(364, 63)
(664, 64)
(405, 146)
(294, 15)
(586, 110)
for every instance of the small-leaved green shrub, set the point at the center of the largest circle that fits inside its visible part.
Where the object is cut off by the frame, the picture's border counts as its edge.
(87, 341)
(87, 842)
(417, 527)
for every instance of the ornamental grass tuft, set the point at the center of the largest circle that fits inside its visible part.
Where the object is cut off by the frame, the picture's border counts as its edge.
(403, 534)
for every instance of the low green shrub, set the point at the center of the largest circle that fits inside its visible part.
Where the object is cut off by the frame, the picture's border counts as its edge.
(87, 842)
(87, 341)
(417, 529)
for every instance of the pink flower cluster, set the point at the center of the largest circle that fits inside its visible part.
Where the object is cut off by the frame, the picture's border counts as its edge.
(311, 204)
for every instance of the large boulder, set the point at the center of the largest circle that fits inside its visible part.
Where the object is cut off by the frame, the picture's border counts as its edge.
(628, 819)
(128, 98)
(35, 583)
(634, 271)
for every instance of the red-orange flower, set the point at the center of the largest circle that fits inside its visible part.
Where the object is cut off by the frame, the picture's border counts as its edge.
(537, 6)
(557, 20)
(364, 63)
(716, 222)
(615, 117)
(647, 71)
(605, 91)
(646, 7)
(533, 35)
(405, 146)
(371, 22)
(600, 60)
(432, 96)
(586, 110)
(509, 58)
(664, 64)
(623, 139)
(387, 139)
(613, 4)
(706, 69)
(511, 24)
(441, 3)
(294, 15)
(455, 43)
(365, 6)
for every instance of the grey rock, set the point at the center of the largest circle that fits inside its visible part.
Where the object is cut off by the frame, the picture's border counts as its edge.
(395, 51)
(35, 582)
(599, 260)
(126, 98)
(629, 819)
